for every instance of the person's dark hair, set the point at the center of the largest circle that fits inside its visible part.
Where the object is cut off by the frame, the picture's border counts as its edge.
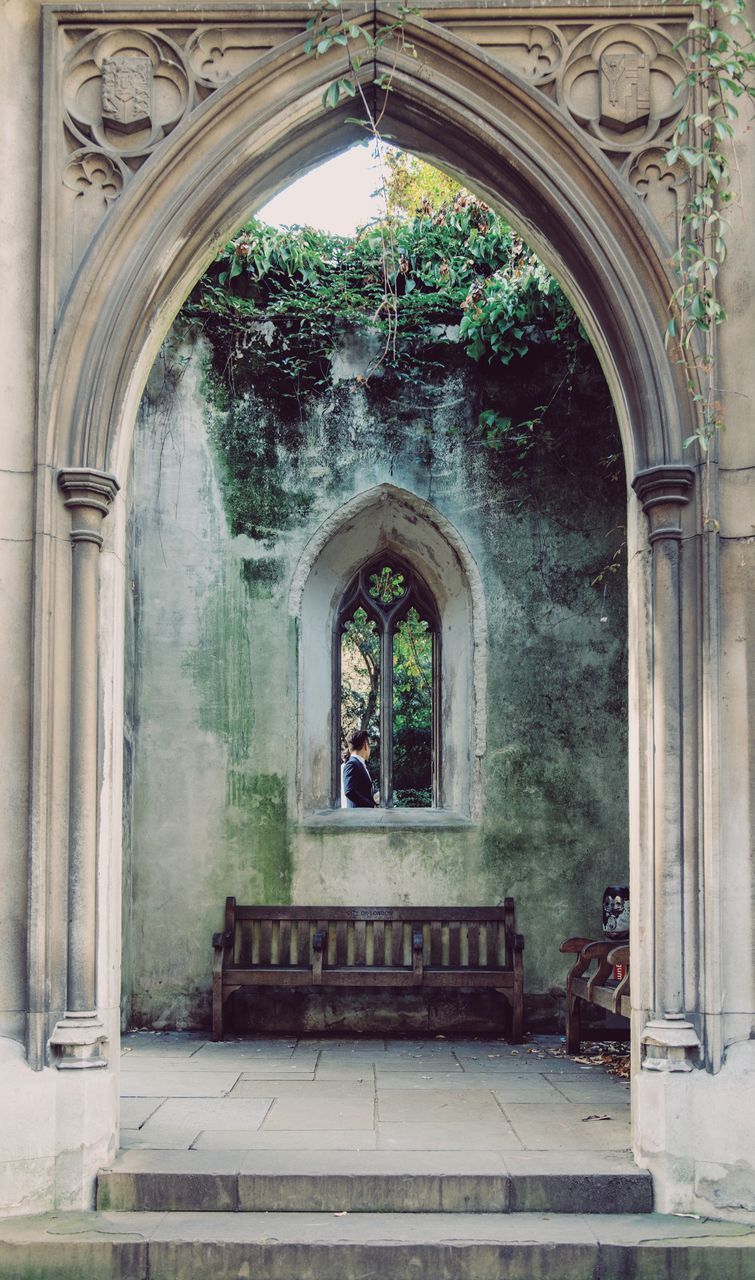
(354, 742)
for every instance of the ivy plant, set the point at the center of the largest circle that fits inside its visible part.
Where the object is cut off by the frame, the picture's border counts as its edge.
(717, 46)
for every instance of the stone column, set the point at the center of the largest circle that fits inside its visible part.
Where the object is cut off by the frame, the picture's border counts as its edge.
(669, 1041)
(78, 1038)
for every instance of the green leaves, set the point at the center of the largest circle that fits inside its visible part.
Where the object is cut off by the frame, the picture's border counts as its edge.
(720, 60)
(343, 88)
(452, 284)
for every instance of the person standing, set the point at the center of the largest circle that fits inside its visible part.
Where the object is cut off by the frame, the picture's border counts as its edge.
(356, 783)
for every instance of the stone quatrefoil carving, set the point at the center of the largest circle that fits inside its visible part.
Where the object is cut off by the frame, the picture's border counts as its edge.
(126, 89)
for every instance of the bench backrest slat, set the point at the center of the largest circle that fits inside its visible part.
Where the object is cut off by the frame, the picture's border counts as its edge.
(381, 937)
(418, 915)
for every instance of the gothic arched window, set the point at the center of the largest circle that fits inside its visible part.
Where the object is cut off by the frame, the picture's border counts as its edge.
(387, 679)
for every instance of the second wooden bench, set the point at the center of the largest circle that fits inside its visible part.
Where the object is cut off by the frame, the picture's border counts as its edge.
(590, 981)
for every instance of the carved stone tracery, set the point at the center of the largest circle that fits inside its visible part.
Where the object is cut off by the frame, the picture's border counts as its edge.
(125, 89)
(618, 84)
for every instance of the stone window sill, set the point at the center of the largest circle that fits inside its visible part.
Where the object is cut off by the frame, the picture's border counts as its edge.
(347, 820)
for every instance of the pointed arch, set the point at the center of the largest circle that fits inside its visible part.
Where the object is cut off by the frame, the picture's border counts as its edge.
(452, 103)
(389, 521)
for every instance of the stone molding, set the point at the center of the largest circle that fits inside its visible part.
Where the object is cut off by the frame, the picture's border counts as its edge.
(78, 1038)
(454, 101)
(664, 484)
(668, 1042)
(88, 494)
(126, 80)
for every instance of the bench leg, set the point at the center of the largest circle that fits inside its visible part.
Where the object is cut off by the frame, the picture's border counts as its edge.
(217, 1009)
(517, 1018)
(573, 1023)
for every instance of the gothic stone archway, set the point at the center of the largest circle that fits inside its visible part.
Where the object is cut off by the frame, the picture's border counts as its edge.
(148, 208)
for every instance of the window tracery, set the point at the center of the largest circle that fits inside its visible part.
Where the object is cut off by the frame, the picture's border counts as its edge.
(387, 679)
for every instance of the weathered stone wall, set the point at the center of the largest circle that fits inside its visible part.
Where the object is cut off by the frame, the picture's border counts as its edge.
(213, 675)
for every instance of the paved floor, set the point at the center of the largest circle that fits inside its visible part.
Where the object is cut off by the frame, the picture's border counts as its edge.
(183, 1092)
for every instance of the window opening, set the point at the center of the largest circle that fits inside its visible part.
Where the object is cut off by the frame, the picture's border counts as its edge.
(387, 680)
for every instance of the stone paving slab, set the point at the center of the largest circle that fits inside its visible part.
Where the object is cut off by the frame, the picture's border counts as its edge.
(176, 1043)
(487, 1136)
(393, 1095)
(159, 1138)
(287, 1140)
(277, 1070)
(350, 1111)
(287, 1246)
(568, 1128)
(346, 1071)
(614, 1091)
(317, 1090)
(280, 1046)
(444, 1106)
(197, 1064)
(212, 1113)
(135, 1111)
(157, 1083)
(521, 1063)
(459, 1079)
(412, 1063)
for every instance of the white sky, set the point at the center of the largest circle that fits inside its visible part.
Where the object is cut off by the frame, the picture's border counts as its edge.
(335, 197)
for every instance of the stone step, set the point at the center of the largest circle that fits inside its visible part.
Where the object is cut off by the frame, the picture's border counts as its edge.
(292, 1246)
(375, 1182)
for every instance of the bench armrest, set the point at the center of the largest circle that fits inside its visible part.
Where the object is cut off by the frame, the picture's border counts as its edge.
(620, 955)
(222, 940)
(598, 951)
(574, 944)
(586, 951)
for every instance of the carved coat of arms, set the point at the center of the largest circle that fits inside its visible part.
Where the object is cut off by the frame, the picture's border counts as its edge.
(127, 93)
(624, 89)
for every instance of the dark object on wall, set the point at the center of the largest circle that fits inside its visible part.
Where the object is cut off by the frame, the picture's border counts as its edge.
(616, 911)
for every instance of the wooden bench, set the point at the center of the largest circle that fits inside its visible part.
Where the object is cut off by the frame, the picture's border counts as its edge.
(597, 988)
(369, 947)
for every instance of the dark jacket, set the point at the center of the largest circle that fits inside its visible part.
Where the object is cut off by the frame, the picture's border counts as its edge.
(357, 784)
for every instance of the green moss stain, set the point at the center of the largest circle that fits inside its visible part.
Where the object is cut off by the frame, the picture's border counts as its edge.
(258, 860)
(261, 576)
(260, 475)
(221, 666)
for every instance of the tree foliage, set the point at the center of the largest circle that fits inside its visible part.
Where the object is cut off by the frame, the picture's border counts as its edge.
(449, 284)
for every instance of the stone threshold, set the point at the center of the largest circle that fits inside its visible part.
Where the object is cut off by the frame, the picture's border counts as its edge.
(286, 1246)
(375, 1182)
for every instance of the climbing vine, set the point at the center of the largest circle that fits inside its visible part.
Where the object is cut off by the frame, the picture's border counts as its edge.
(718, 51)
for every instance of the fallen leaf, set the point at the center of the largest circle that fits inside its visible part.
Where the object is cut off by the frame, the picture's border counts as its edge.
(596, 1117)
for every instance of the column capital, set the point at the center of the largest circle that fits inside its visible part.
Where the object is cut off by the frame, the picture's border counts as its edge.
(88, 494)
(85, 487)
(663, 491)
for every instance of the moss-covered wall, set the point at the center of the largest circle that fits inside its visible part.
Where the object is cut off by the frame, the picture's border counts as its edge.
(225, 502)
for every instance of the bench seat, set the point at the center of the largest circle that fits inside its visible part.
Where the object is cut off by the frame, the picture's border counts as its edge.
(369, 947)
